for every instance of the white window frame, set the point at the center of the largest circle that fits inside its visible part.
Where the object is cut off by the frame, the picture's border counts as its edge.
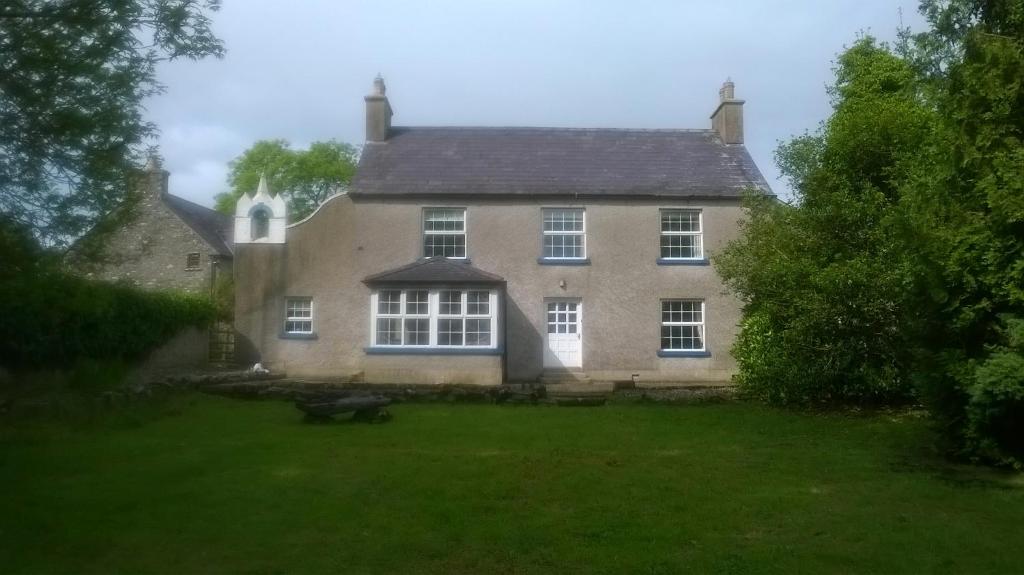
(545, 233)
(435, 315)
(700, 324)
(464, 232)
(699, 234)
(288, 318)
(406, 315)
(199, 261)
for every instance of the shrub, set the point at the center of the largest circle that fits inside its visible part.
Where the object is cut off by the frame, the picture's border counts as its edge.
(53, 320)
(995, 402)
(788, 365)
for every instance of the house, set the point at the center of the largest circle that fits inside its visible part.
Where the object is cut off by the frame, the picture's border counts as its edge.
(168, 242)
(488, 255)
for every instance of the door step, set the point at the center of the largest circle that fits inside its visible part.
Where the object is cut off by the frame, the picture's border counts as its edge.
(582, 394)
(579, 389)
(562, 376)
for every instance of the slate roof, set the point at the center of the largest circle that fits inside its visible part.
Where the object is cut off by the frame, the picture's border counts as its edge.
(214, 227)
(435, 270)
(555, 161)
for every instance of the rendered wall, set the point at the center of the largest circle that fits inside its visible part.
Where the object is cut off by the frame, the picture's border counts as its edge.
(327, 256)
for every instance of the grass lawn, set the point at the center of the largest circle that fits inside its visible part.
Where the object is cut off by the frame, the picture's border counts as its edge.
(219, 485)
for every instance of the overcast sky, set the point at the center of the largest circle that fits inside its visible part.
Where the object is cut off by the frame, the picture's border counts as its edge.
(298, 70)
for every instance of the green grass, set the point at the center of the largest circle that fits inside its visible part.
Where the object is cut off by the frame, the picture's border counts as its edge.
(222, 485)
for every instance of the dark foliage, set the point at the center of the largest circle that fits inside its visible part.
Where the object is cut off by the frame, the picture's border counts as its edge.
(52, 320)
(900, 266)
(73, 77)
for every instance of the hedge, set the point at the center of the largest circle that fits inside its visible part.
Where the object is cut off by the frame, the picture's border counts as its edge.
(54, 320)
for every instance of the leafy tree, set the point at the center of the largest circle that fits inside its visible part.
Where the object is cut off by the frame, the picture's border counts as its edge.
(826, 281)
(903, 257)
(73, 76)
(305, 177)
(970, 206)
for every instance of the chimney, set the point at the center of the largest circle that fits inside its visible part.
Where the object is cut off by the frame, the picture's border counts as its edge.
(378, 112)
(728, 117)
(155, 177)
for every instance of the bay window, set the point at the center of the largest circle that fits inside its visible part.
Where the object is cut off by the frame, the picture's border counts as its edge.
(435, 318)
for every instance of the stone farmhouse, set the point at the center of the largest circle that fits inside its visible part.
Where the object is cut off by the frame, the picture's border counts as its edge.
(169, 243)
(488, 255)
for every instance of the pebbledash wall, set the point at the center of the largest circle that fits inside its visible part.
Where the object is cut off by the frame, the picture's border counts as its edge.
(327, 256)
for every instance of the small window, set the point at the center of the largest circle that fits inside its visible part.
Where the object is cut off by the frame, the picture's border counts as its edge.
(565, 234)
(298, 315)
(192, 261)
(682, 325)
(681, 235)
(444, 232)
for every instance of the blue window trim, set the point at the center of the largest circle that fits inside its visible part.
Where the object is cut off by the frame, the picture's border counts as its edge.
(683, 353)
(285, 335)
(376, 350)
(675, 262)
(563, 261)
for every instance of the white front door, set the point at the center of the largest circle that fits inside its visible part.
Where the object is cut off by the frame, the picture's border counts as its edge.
(564, 342)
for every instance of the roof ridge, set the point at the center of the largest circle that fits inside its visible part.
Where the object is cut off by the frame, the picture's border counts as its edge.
(190, 202)
(559, 129)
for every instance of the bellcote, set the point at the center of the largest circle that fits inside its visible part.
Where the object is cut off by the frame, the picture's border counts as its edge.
(261, 218)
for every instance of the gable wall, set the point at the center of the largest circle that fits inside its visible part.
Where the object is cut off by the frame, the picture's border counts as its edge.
(328, 256)
(150, 251)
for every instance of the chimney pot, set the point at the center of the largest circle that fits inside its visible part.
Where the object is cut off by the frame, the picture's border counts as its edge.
(728, 91)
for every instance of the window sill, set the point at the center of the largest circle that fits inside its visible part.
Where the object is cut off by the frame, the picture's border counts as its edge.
(375, 350)
(675, 262)
(683, 353)
(563, 261)
(297, 336)
(464, 260)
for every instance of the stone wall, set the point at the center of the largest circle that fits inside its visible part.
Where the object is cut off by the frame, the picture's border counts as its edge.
(186, 352)
(151, 251)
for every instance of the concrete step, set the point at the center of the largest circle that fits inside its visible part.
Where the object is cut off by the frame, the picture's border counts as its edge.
(579, 389)
(561, 376)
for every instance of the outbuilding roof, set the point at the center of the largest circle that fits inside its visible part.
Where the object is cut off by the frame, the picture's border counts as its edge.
(214, 227)
(435, 270)
(555, 161)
